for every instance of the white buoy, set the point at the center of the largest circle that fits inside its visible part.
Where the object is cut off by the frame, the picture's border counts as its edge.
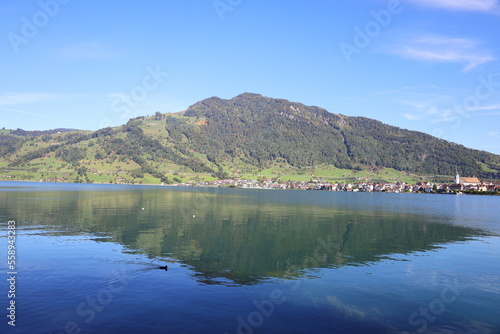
(142, 208)
(194, 216)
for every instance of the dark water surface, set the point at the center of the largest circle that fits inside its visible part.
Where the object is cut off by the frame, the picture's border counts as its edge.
(248, 261)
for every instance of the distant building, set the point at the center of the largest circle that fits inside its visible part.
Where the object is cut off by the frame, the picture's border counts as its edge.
(465, 183)
(470, 181)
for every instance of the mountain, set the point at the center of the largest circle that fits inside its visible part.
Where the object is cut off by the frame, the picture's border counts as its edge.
(248, 134)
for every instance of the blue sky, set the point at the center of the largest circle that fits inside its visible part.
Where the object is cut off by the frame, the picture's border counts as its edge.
(426, 65)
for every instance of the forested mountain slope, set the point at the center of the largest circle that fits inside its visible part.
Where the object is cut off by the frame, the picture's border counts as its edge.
(249, 131)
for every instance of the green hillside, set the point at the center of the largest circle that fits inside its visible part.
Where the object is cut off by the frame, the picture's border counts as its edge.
(247, 136)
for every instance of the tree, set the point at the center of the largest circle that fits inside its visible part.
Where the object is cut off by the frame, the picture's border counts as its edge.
(158, 116)
(165, 179)
(137, 173)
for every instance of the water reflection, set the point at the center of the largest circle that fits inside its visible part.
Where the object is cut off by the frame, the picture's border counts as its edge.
(229, 237)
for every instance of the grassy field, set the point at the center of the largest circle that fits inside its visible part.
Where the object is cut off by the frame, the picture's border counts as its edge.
(51, 169)
(332, 174)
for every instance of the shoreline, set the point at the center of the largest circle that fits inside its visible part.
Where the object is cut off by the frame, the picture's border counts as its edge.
(464, 192)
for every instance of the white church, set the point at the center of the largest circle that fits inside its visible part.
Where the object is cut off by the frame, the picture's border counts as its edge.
(466, 183)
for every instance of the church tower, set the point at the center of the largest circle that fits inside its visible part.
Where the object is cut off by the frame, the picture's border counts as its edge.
(457, 178)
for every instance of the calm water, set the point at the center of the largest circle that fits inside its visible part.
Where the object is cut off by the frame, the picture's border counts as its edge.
(249, 261)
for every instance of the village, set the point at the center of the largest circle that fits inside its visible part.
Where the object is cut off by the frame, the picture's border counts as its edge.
(458, 186)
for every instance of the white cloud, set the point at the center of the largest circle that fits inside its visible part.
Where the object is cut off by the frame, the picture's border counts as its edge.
(411, 117)
(427, 92)
(33, 114)
(461, 5)
(10, 98)
(446, 109)
(444, 49)
(490, 107)
(488, 114)
(437, 104)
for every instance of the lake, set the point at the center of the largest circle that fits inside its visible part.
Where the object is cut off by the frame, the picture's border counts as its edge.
(87, 260)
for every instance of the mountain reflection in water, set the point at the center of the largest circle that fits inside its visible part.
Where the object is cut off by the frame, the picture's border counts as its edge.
(236, 236)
